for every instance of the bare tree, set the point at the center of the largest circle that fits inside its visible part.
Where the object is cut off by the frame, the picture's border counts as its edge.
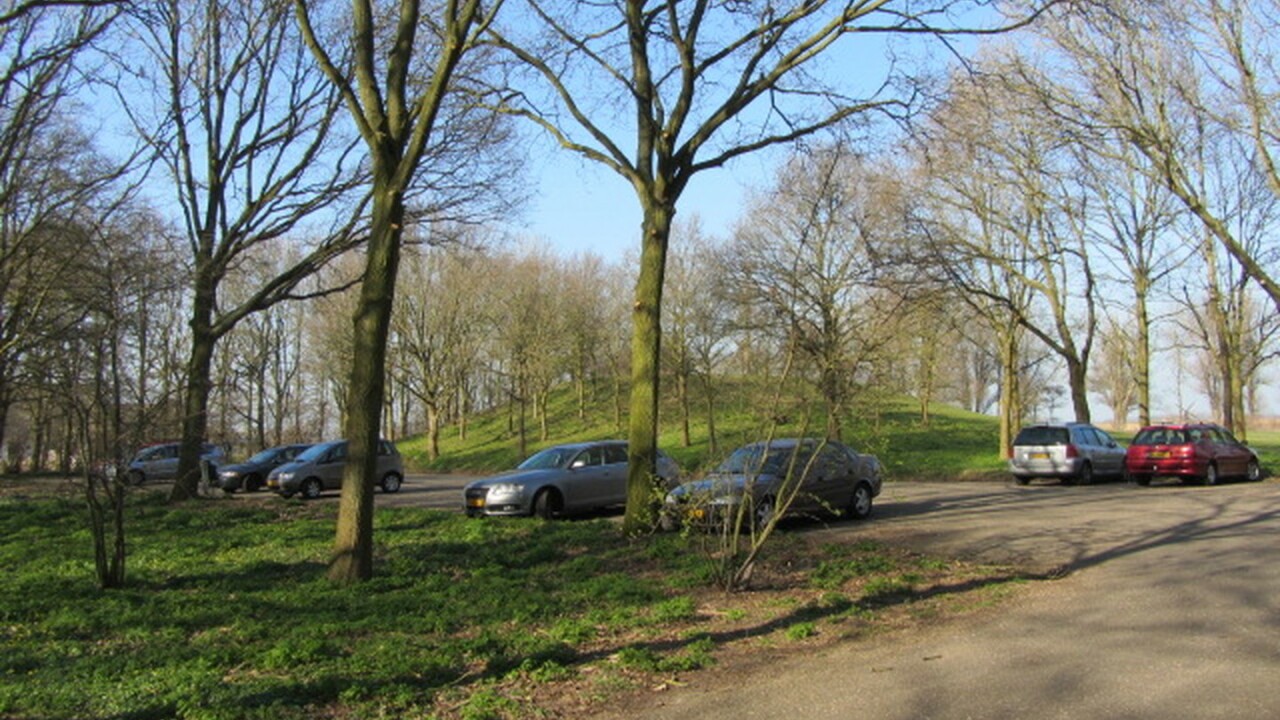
(708, 82)
(438, 324)
(49, 171)
(1012, 174)
(396, 116)
(244, 125)
(805, 256)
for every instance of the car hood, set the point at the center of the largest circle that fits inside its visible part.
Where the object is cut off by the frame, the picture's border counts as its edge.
(291, 465)
(518, 477)
(722, 484)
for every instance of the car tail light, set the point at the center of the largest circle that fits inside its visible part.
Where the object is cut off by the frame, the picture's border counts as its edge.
(1184, 450)
(1072, 452)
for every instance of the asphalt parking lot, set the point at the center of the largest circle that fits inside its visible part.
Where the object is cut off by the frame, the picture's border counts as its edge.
(1167, 606)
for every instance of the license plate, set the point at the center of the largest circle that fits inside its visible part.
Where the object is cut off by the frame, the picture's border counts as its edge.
(1038, 456)
(477, 502)
(1158, 454)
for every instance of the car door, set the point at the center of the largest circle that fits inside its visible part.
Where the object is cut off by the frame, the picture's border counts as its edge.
(331, 465)
(1110, 454)
(584, 481)
(164, 464)
(1233, 457)
(832, 479)
(614, 475)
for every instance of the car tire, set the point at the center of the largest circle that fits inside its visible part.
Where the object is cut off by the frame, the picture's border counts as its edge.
(1210, 475)
(391, 483)
(311, 488)
(1021, 479)
(252, 483)
(1253, 471)
(546, 504)
(861, 502)
(135, 477)
(1085, 476)
(762, 512)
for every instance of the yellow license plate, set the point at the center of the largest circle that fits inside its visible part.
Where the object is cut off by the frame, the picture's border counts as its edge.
(475, 502)
(1039, 456)
(1159, 454)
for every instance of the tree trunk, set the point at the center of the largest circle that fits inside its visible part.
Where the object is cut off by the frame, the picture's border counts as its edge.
(1142, 354)
(195, 417)
(1009, 405)
(711, 414)
(353, 546)
(682, 390)
(646, 349)
(433, 431)
(1077, 379)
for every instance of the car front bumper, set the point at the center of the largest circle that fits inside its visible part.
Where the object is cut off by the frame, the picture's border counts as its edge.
(480, 502)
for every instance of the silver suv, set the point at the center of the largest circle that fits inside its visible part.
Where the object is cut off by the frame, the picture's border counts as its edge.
(1075, 453)
(319, 468)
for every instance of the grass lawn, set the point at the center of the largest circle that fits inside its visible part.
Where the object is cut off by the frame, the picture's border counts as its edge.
(953, 444)
(227, 613)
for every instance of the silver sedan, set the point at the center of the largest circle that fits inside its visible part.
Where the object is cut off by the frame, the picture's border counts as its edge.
(562, 480)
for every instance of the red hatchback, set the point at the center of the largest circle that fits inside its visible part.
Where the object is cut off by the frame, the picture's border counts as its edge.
(1201, 452)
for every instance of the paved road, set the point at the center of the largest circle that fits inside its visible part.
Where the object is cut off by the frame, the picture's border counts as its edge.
(1171, 610)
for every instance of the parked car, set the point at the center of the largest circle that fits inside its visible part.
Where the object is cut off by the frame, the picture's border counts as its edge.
(561, 480)
(251, 475)
(160, 462)
(819, 477)
(1192, 452)
(319, 468)
(1074, 453)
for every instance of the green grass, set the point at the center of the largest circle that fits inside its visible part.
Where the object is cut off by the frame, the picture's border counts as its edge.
(955, 443)
(227, 613)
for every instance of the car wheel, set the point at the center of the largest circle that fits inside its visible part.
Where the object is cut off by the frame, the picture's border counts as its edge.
(860, 503)
(1211, 474)
(252, 483)
(311, 488)
(391, 483)
(1021, 479)
(1085, 476)
(546, 504)
(136, 477)
(763, 512)
(1253, 473)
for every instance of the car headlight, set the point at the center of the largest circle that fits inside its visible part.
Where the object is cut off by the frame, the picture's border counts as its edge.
(229, 474)
(285, 476)
(505, 489)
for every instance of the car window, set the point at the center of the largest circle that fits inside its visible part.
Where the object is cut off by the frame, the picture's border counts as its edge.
(614, 454)
(1225, 437)
(555, 457)
(1042, 435)
(1160, 436)
(1104, 439)
(832, 459)
(591, 456)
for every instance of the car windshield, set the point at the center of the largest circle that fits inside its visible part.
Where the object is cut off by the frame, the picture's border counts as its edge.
(265, 455)
(1042, 435)
(556, 457)
(1161, 436)
(150, 453)
(315, 452)
(747, 460)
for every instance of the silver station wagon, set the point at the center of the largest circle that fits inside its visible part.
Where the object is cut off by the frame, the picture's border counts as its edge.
(561, 480)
